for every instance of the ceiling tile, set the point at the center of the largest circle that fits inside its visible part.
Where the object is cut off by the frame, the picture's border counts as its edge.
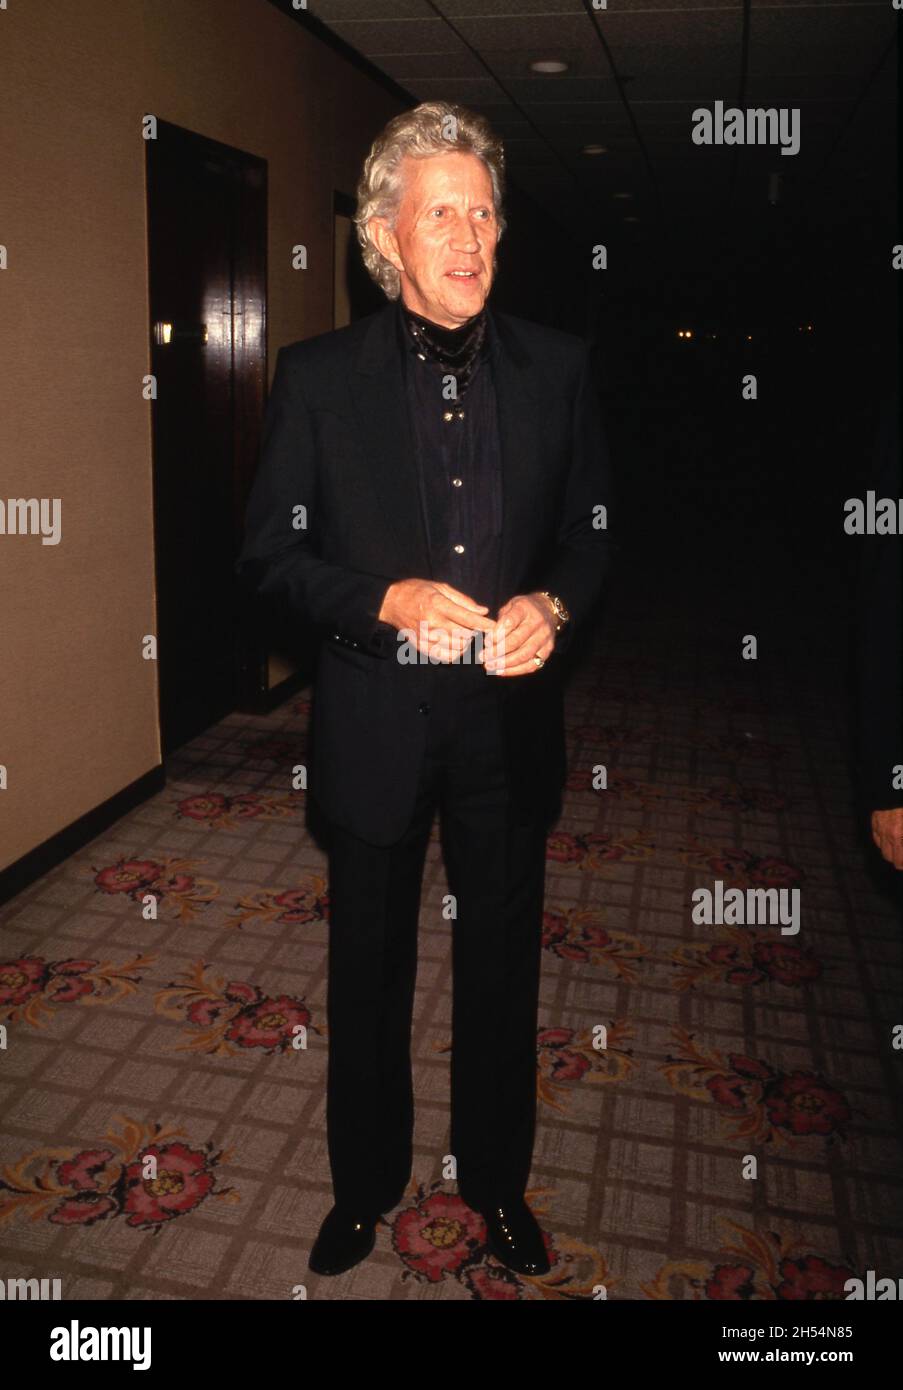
(466, 91)
(794, 40)
(334, 12)
(405, 67)
(375, 38)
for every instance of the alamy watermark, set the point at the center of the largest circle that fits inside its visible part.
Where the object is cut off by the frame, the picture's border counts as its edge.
(757, 125)
(438, 646)
(873, 516)
(32, 516)
(739, 907)
(26, 1290)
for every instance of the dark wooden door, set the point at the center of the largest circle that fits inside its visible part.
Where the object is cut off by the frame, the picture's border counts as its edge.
(207, 271)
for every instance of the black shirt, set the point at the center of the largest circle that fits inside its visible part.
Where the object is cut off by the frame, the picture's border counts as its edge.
(459, 465)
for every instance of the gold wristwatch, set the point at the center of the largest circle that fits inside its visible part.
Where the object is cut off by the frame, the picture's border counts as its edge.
(561, 613)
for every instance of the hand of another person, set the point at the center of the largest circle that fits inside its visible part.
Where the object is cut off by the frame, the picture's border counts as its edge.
(526, 629)
(438, 619)
(887, 832)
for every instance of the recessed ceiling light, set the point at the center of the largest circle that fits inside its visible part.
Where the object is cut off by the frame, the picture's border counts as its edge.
(595, 149)
(548, 65)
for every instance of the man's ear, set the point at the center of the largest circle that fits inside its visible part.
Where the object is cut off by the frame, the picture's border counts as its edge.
(385, 241)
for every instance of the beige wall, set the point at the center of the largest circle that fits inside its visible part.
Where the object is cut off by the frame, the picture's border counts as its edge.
(344, 228)
(78, 705)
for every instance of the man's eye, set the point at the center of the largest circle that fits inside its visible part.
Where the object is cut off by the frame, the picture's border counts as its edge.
(437, 210)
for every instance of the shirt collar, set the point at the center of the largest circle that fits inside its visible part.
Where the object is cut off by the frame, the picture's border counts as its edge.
(491, 344)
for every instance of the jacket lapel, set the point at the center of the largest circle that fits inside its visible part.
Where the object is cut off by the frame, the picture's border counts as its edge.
(381, 408)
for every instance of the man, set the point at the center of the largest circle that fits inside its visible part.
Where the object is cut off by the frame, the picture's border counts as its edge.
(432, 495)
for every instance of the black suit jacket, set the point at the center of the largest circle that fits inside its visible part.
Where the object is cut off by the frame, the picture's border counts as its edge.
(337, 442)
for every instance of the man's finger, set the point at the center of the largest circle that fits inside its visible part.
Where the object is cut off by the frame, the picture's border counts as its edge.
(523, 668)
(448, 643)
(522, 659)
(505, 642)
(503, 631)
(442, 642)
(523, 642)
(463, 600)
(514, 617)
(459, 615)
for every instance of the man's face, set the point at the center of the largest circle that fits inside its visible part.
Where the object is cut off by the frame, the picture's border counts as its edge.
(443, 243)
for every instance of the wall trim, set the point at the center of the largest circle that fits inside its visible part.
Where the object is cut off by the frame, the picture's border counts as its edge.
(44, 857)
(321, 31)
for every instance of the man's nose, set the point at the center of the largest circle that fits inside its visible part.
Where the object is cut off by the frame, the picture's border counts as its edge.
(465, 237)
(467, 242)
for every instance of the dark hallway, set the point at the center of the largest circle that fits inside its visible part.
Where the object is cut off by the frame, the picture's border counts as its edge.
(722, 1041)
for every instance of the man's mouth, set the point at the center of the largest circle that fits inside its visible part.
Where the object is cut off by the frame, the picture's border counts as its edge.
(462, 274)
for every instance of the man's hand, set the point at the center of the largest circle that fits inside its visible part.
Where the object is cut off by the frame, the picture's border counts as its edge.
(440, 620)
(526, 628)
(887, 832)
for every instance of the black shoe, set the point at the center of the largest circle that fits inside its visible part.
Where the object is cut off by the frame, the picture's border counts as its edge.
(344, 1240)
(514, 1238)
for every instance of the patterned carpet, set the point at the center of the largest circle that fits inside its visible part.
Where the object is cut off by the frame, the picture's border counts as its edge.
(175, 1038)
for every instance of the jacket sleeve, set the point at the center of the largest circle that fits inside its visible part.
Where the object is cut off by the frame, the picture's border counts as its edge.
(585, 551)
(879, 633)
(278, 560)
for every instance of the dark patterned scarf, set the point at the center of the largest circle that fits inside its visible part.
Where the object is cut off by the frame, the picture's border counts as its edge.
(455, 350)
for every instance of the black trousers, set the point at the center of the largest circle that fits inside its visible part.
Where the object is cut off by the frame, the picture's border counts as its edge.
(495, 863)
